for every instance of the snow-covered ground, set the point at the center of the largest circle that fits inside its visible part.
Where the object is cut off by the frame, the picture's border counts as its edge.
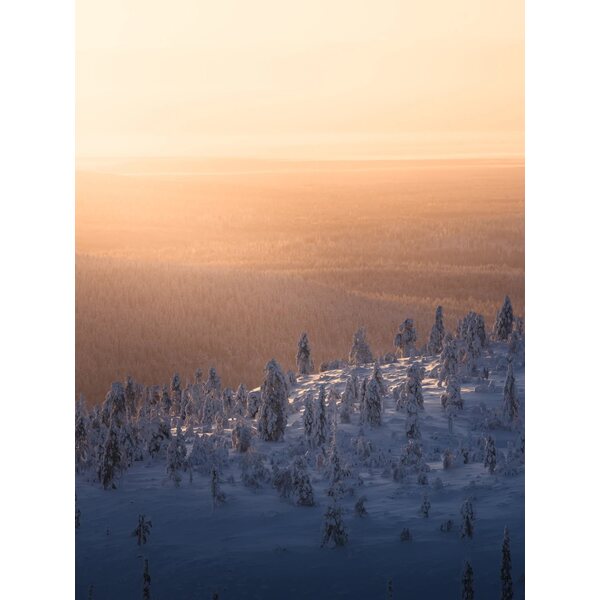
(258, 545)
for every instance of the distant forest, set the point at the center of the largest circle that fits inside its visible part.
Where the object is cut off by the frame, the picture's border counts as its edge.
(226, 269)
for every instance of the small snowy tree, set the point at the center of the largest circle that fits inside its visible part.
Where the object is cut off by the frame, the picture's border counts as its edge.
(142, 531)
(176, 454)
(425, 506)
(304, 363)
(511, 397)
(490, 454)
(468, 517)
(378, 377)
(360, 352)
(412, 388)
(272, 415)
(82, 449)
(303, 490)
(413, 431)
(320, 429)
(115, 408)
(130, 395)
(334, 529)
(165, 400)
(406, 339)
(373, 403)
(176, 394)
(240, 401)
(218, 497)
(111, 459)
(504, 321)
(467, 582)
(359, 507)
(147, 580)
(309, 418)
(241, 436)
(436, 337)
(505, 569)
(451, 399)
(348, 399)
(213, 383)
(448, 359)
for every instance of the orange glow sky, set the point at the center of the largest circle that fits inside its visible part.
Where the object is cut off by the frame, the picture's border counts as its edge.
(310, 79)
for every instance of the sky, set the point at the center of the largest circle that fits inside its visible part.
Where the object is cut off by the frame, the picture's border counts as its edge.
(317, 79)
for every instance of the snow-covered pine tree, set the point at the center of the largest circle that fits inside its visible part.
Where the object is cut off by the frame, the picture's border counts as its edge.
(506, 568)
(452, 398)
(468, 516)
(359, 507)
(198, 377)
(360, 353)
(241, 401)
(81, 435)
(303, 490)
(272, 415)
(165, 400)
(115, 409)
(490, 454)
(176, 394)
(373, 403)
(130, 396)
(448, 359)
(111, 459)
(213, 383)
(218, 497)
(425, 506)
(378, 377)
(304, 362)
(309, 418)
(147, 580)
(511, 396)
(406, 339)
(176, 454)
(334, 529)
(413, 431)
(142, 531)
(320, 428)
(228, 402)
(436, 337)
(252, 404)
(468, 592)
(412, 387)
(504, 321)
(241, 436)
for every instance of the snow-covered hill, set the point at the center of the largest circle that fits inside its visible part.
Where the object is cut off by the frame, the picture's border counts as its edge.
(261, 544)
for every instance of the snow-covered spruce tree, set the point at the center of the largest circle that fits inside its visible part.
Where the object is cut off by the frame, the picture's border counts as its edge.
(504, 321)
(406, 339)
(413, 431)
(213, 383)
(142, 531)
(359, 507)
(468, 517)
(303, 491)
(448, 359)
(412, 388)
(241, 436)
(165, 400)
(334, 529)
(130, 396)
(362, 394)
(378, 377)
(304, 362)
(114, 408)
(452, 397)
(81, 436)
(373, 404)
(490, 454)
(436, 337)
(468, 592)
(241, 401)
(176, 454)
(218, 497)
(321, 426)
(111, 459)
(360, 353)
(272, 415)
(176, 394)
(252, 404)
(228, 402)
(506, 568)
(425, 506)
(510, 406)
(516, 348)
(309, 418)
(348, 399)
(198, 377)
(147, 580)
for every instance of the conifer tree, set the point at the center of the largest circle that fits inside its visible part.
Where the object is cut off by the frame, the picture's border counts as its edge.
(111, 460)
(448, 359)
(334, 529)
(147, 580)
(451, 399)
(241, 436)
(115, 409)
(213, 383)
(303, 490)
(309, 418)
(412, 388)
(373, 403)
(436, 337)
(176, 394)
(511, 397)
(142, 531)
(348, 399)
(468, 516)
(320, 429)
(378, 377)
(272, 415)
(176, 454)
(406, 339)
(304, 363)
(413, 431)
(504, 321)
(467, 582)
(241, 400)
(425, 506)
(505, 569)
(165, 400)
(130, 396)
(218, 497)
(81, 436)
(360, 353)
(490, 454)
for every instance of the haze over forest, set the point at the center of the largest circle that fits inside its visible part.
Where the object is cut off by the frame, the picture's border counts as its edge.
(185, 263)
